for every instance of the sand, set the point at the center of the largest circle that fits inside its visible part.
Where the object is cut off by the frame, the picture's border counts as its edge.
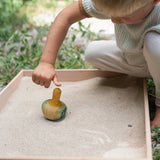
(105, 118)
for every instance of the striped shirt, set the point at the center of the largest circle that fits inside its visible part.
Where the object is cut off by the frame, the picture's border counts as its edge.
(129, 37)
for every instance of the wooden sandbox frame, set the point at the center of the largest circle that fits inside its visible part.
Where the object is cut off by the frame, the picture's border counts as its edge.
(77, 75)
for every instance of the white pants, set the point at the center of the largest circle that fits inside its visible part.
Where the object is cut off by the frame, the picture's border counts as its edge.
(105, 55)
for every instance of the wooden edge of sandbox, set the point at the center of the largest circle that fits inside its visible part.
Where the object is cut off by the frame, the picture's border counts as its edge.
(63, 75)
(41, 158)
(72, 75)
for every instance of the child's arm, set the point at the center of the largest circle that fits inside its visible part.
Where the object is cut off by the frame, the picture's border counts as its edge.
(45, 73)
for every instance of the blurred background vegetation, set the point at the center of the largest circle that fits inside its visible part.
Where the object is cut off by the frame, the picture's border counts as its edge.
(24, 26)
(23, 30)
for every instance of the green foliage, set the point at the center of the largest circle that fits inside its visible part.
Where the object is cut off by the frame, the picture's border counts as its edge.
(46, 4)
(30, 6)
(151, 87)
(11, 17)
(157, 135)
(72, 55)
(21, 51)
(156, 150)
(151, 96)
(87, 33)
(156, 153)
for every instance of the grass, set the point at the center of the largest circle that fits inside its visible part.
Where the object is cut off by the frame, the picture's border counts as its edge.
(23, 51)
(156, 140)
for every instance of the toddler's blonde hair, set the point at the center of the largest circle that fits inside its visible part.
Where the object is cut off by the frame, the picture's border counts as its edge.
(120, 7)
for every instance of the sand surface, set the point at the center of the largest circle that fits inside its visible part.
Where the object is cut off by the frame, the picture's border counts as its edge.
(105, 118)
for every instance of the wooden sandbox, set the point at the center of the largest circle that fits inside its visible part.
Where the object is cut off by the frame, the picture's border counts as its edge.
(107, 118)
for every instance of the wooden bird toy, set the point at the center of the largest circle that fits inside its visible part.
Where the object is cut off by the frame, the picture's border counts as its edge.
(54, 109)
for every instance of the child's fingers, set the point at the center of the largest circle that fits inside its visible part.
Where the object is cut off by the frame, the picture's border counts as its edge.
(36, 78)
(41, 83)
(44, 79)
(47, 84)
(37, 81)
(56, 82)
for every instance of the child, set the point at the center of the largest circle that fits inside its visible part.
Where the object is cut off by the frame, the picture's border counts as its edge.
(137, 48)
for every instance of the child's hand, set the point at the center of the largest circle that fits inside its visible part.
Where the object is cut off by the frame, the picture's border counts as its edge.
(44, 74)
